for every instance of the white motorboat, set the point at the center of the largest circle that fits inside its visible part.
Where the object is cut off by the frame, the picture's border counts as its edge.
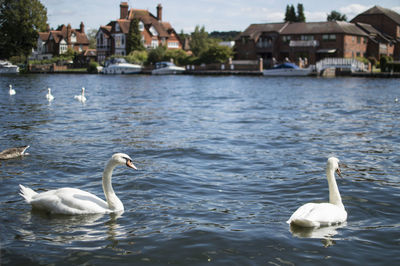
(167, 68)
(7, 67)
(120, 66)
(287, 69)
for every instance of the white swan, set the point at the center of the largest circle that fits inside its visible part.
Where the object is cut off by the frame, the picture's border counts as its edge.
(76, 201)
(13, 152)
(49, 96)
(81, 97)
(320, 214)
(11, 91)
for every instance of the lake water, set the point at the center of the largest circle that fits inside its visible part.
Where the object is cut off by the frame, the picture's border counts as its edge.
(223, 162)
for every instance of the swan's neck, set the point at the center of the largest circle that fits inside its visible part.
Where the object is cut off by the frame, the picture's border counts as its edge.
(334, 195)
(113, 201)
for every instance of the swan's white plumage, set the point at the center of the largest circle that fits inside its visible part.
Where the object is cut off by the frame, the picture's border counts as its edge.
(76, 201)
(11, 91)
(322, 214)
(81, 97)
(49, 96)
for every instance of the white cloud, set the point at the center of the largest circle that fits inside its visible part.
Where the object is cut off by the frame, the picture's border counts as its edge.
(353, 10)
(397, 9)
(315, 16)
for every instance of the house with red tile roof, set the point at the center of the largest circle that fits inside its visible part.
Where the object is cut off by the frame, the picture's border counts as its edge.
(111, 39)
(57, 42)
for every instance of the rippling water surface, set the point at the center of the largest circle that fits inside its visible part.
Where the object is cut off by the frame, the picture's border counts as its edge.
(223, 162)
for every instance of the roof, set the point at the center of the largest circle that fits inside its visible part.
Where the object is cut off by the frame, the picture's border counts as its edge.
(149, 20)
(323, 28)
(378, 10)
(62, 33)
(255, 30)
(373, 32)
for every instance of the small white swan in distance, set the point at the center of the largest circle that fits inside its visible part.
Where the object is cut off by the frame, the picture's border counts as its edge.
(81, 97)
(323, 214)
(75, 201)
(49, 96)
(11, 91)
(12, 153)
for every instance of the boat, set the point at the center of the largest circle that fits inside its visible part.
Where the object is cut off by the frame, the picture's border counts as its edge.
(287, 69)
(167, 68)
(7, 67)
(120, 66)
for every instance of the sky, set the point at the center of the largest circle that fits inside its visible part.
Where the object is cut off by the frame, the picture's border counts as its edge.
(214, 15)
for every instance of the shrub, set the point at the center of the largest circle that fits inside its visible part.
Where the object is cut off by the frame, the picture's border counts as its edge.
(137, 57)
(92, 68)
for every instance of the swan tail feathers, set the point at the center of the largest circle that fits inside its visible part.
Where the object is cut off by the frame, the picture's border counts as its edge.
(303, 222)
(27, 193)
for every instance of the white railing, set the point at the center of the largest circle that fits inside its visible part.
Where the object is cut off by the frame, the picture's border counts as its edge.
(302, 43)
(343, 63)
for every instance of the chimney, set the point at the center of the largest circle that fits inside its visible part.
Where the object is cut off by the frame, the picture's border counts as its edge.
(82, 28)
(159, 12)
(124, 10)
(69, 33)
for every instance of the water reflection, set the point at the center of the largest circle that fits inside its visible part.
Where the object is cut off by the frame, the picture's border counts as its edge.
(325, 233)
(66, 229)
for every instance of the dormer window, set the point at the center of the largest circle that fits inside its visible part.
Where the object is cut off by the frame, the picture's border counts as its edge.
(73, 37)
(153, 31)
(141, 26)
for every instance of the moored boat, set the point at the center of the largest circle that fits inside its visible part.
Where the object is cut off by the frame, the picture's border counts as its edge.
(120, 66)
(167, 68)
(287, 69)
(7, 67)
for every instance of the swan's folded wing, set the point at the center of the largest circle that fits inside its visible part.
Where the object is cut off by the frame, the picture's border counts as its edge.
(69, 201)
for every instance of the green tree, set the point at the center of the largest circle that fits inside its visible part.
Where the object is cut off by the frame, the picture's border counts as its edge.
(199, 42)
(336, 16)
(216, 54)
(20, 22)
(134, 39)
(290, 15)
(91, 34)
(179, 56)
(137, 57)
(156, 55)
(300, 13)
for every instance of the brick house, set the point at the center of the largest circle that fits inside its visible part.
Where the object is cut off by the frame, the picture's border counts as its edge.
(111, 39)
(312, 40)
(57, 42)
(318, 40)
(386, 21)
(259, 41)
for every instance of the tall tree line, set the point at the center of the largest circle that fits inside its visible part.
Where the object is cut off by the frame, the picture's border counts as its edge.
(292, 16)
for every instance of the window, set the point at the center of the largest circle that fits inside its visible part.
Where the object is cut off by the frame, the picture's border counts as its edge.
(154, 43)
(73, 37)
(329, 37)
(117, 27)
(153, 31)
(307, 37)
(286, 39)
(358, 39)
(141, 26)
(173, 45)
(123, 40)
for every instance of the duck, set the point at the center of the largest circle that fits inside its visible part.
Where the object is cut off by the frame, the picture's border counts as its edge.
(12, 153)
(74, 201)
(49, 96)
(81, 97)
(323, 214)
(11, 91)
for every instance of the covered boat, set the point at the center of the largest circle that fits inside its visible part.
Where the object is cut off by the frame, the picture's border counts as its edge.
(287, 69)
